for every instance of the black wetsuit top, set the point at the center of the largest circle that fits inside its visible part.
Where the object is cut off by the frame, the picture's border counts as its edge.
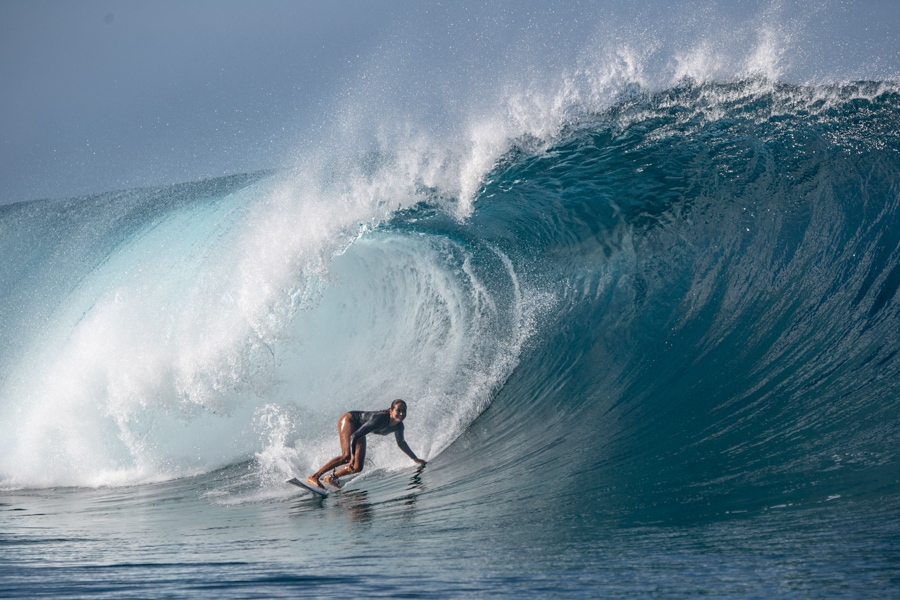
(379, 423)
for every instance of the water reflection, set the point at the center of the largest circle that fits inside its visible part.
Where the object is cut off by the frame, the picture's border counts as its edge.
(415, 487)
(307, 501)
(360, 505)
(356, 505)
(415, 481)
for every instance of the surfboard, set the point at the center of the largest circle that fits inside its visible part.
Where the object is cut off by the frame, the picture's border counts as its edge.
(306, 486)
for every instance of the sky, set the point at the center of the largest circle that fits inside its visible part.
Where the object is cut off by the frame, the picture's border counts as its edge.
(100, 95)
(110, 95)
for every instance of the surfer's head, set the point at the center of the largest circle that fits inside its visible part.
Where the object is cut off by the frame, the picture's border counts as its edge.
(398, 410)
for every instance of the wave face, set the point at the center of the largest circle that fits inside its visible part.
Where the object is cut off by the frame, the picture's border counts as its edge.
(681, 305)
(725, 262)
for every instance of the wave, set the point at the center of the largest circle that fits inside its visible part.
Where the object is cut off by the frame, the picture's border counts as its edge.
(165, 332)
(684, 298)
(726, 261)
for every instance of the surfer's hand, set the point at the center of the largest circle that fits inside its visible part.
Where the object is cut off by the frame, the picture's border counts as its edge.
(420, 462)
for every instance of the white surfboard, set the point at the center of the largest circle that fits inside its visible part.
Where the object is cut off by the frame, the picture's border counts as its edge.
(312, 488)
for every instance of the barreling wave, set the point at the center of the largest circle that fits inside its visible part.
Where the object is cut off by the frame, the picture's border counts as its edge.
(159, 333)
(726, 260)
(684, 300)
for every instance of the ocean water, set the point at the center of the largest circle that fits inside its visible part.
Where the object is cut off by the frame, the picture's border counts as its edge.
(649, 349)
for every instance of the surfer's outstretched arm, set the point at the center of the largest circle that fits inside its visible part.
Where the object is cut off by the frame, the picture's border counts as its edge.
(401, 442)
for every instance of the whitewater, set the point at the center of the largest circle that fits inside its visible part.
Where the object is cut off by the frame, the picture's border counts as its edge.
(646, 324)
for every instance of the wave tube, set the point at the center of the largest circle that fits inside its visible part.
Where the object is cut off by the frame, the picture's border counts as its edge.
(171, 337)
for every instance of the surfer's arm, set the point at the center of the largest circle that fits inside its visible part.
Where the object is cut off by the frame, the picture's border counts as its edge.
(401, 443)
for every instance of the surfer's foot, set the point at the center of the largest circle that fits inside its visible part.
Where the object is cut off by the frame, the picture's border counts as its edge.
(313, 480)
(332, 480)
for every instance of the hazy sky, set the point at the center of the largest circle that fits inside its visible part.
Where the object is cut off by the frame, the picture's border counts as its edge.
(106, 95)
(102, 95)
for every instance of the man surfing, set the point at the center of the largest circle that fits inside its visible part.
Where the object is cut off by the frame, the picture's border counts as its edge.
(352, 428)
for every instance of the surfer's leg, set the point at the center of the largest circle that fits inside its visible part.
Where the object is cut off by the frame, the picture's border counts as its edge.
(355, 465)
(346, 427)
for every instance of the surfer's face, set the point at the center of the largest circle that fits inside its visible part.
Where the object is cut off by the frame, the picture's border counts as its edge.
(398, 412)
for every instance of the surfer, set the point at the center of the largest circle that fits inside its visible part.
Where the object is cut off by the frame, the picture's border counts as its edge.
(352, 428)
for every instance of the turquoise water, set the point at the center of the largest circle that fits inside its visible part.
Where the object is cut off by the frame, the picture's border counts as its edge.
(654, 353)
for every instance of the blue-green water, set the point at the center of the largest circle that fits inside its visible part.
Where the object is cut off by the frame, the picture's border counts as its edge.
(652, 354)
(400, 536)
